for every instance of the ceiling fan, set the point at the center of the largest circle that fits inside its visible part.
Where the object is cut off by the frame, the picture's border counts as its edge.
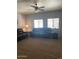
(36, 7)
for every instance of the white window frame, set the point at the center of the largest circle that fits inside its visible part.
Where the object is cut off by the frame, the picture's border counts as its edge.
(53, 23)
(38, 23)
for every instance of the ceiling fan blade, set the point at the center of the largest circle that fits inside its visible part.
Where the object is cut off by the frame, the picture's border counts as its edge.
(33, 6)
(42, 7)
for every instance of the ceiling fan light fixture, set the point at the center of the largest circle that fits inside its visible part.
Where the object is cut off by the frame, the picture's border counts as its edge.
(37, 8)
(37, 11)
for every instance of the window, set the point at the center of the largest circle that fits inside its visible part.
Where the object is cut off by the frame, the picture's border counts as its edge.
(38, 23)
(53, 23)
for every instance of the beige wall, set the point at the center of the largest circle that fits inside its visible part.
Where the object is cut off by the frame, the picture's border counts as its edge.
(24, 23)
(28, 25)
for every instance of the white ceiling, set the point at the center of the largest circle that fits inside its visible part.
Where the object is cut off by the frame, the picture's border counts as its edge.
(23, 6)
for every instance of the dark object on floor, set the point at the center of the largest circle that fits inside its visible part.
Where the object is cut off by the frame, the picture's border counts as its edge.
(20, 34)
